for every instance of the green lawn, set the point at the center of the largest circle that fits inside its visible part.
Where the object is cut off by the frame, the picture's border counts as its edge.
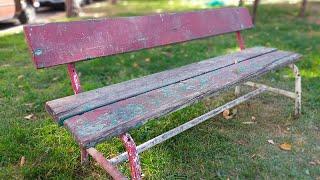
(216, 149)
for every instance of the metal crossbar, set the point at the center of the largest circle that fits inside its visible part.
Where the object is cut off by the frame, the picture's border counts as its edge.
(165, 136)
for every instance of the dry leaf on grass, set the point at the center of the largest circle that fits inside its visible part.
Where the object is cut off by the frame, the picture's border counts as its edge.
(270, 141)
(147, 60)
(248, 122)
(22, 160)
(285, 146)
(29, 117)
(20, 77)
(315, 162)
(227, 114)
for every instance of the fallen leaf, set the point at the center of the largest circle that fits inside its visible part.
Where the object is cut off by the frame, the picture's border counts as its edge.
(312, 163)
(242, 142)
(135, 65)
(29, 104)
(22, 160)
(227, 114)
(147, 60)
(285, 146)
(248, 122)
(20, 77)
(270, 141)
(29, 117)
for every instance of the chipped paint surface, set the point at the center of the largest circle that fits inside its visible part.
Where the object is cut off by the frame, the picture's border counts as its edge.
(67, 107)
(68, 42)
(131, 148)
(94, 126)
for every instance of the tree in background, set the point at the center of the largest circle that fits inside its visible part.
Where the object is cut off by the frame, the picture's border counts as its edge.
(254, 11)
(303, 8)
(241, 2)
(72, 8)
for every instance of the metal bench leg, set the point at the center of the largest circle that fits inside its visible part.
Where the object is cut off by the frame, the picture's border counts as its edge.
(134, 161)
(297, 106)
(84, 156)
(105, 164)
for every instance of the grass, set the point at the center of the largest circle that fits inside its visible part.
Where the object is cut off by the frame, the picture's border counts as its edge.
(216, 149)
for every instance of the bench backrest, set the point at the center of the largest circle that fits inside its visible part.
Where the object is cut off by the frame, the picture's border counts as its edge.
(68, 42)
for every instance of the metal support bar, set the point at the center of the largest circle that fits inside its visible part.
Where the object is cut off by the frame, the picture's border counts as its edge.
(298, 90)
(294, 95)
(105, 164)
(272, 89)
(76, 86)
(135, 168)
(240, 42)
(75, 81)
(84, 156)
(167, 135)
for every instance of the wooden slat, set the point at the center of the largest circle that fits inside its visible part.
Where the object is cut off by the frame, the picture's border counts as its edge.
(73, 105)
(102, 123)
(60, 43)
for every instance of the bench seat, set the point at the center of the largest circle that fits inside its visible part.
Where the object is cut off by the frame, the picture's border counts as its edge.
(97, 115)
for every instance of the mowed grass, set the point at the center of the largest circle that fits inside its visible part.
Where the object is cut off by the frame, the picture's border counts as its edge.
(216, 149)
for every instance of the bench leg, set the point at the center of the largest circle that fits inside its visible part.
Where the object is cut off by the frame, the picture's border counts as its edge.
(297, 106)
(237, 91)
(84, 156)
(105, 164)
(134, 161)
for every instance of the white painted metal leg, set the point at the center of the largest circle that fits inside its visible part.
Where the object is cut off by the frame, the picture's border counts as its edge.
(237, 91)
(297, 106)
(173, 132)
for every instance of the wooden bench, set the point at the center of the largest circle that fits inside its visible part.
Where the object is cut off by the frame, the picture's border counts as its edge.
(98, 115)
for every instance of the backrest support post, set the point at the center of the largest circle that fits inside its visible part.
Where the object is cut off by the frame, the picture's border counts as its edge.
(74, 78)
(240, 40)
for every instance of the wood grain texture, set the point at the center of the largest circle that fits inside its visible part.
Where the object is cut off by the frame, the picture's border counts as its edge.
(67, 107)
(105, 122)
(60, 43)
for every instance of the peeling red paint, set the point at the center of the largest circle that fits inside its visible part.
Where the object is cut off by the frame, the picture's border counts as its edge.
(133, 156)
(66, 42)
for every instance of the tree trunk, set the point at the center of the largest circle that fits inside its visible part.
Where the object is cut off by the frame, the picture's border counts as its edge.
(303, 8)
(72, 8)
(241, 2)
(255, 9)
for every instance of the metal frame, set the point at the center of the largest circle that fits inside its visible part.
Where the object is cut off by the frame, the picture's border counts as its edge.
(132, 151)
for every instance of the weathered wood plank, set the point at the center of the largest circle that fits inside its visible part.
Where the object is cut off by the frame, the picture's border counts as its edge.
(60, 43)
(102, 123)
(73, 105)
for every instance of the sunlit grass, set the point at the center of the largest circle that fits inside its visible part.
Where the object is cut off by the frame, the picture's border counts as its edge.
(216, 149)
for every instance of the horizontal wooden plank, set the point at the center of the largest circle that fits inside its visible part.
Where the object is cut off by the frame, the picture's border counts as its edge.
(105, 122)
(60, 43)
(77, 104)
